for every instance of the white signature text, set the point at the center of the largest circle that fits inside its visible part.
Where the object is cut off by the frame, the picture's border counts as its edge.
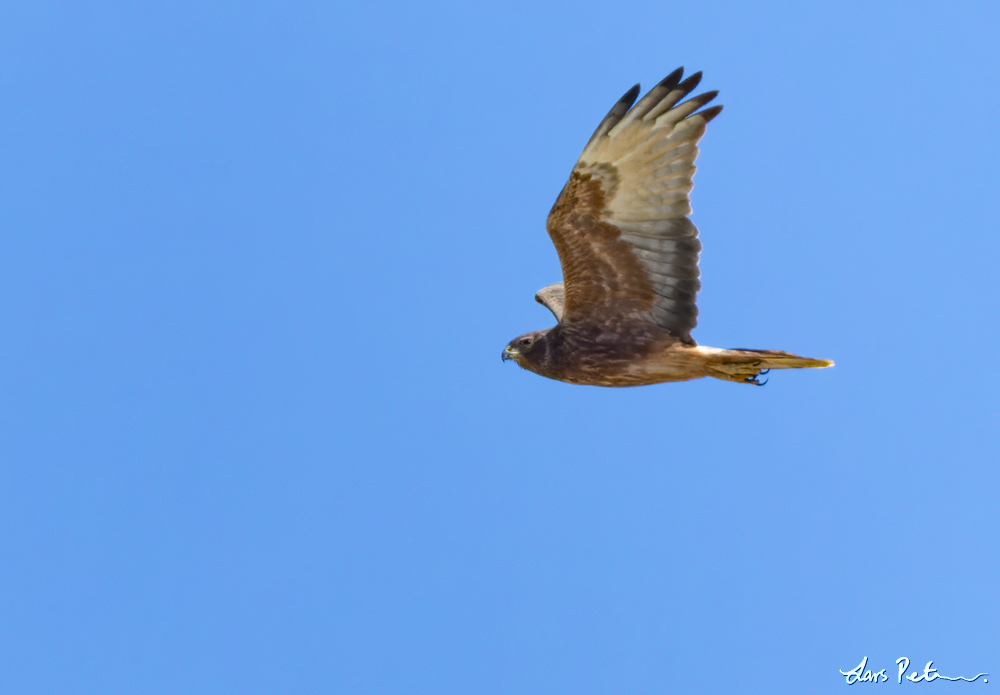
(861, 674)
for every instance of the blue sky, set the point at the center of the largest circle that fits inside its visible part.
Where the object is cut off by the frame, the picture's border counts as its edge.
(257, 265)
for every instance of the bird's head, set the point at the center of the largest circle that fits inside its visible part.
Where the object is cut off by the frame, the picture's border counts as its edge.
(527, 350)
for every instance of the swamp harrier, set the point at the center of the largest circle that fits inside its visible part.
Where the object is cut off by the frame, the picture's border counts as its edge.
(629, 256)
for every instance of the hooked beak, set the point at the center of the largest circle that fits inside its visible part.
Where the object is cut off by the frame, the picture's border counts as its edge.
(508, 354)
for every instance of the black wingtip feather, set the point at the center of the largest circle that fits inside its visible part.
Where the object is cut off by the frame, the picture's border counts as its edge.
(616, 113)
(629, 97)
(708, 114)
(703, 99)
(672, 80)
(690, 83)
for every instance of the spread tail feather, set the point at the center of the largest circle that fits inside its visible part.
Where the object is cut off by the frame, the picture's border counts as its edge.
(744, 366)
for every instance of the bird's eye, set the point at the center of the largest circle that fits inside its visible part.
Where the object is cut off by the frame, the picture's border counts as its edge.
(526, 341)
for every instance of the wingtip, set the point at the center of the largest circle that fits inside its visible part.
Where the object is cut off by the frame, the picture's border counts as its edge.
(673, 79)
(708, 114)
(630, 96)
(816, 363)
(691, 82)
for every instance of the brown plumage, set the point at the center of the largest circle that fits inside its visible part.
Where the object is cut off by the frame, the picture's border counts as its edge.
(629, 256)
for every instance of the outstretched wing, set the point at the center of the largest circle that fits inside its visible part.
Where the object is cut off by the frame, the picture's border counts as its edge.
(620, 225)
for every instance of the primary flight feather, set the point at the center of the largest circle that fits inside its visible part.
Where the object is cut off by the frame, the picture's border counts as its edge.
(629, 256)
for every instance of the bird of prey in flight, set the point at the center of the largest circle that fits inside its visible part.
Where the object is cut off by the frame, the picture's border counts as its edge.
(629, 256)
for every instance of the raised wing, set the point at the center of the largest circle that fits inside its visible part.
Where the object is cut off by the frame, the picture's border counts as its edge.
(620, 225)
(552, 298)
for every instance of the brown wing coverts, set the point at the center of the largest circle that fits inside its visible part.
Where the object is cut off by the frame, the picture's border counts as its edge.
(620, 224)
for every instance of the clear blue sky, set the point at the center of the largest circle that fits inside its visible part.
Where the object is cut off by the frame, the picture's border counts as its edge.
(257, 265)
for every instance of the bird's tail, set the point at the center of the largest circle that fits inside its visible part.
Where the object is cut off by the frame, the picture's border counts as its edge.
(744, 366)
